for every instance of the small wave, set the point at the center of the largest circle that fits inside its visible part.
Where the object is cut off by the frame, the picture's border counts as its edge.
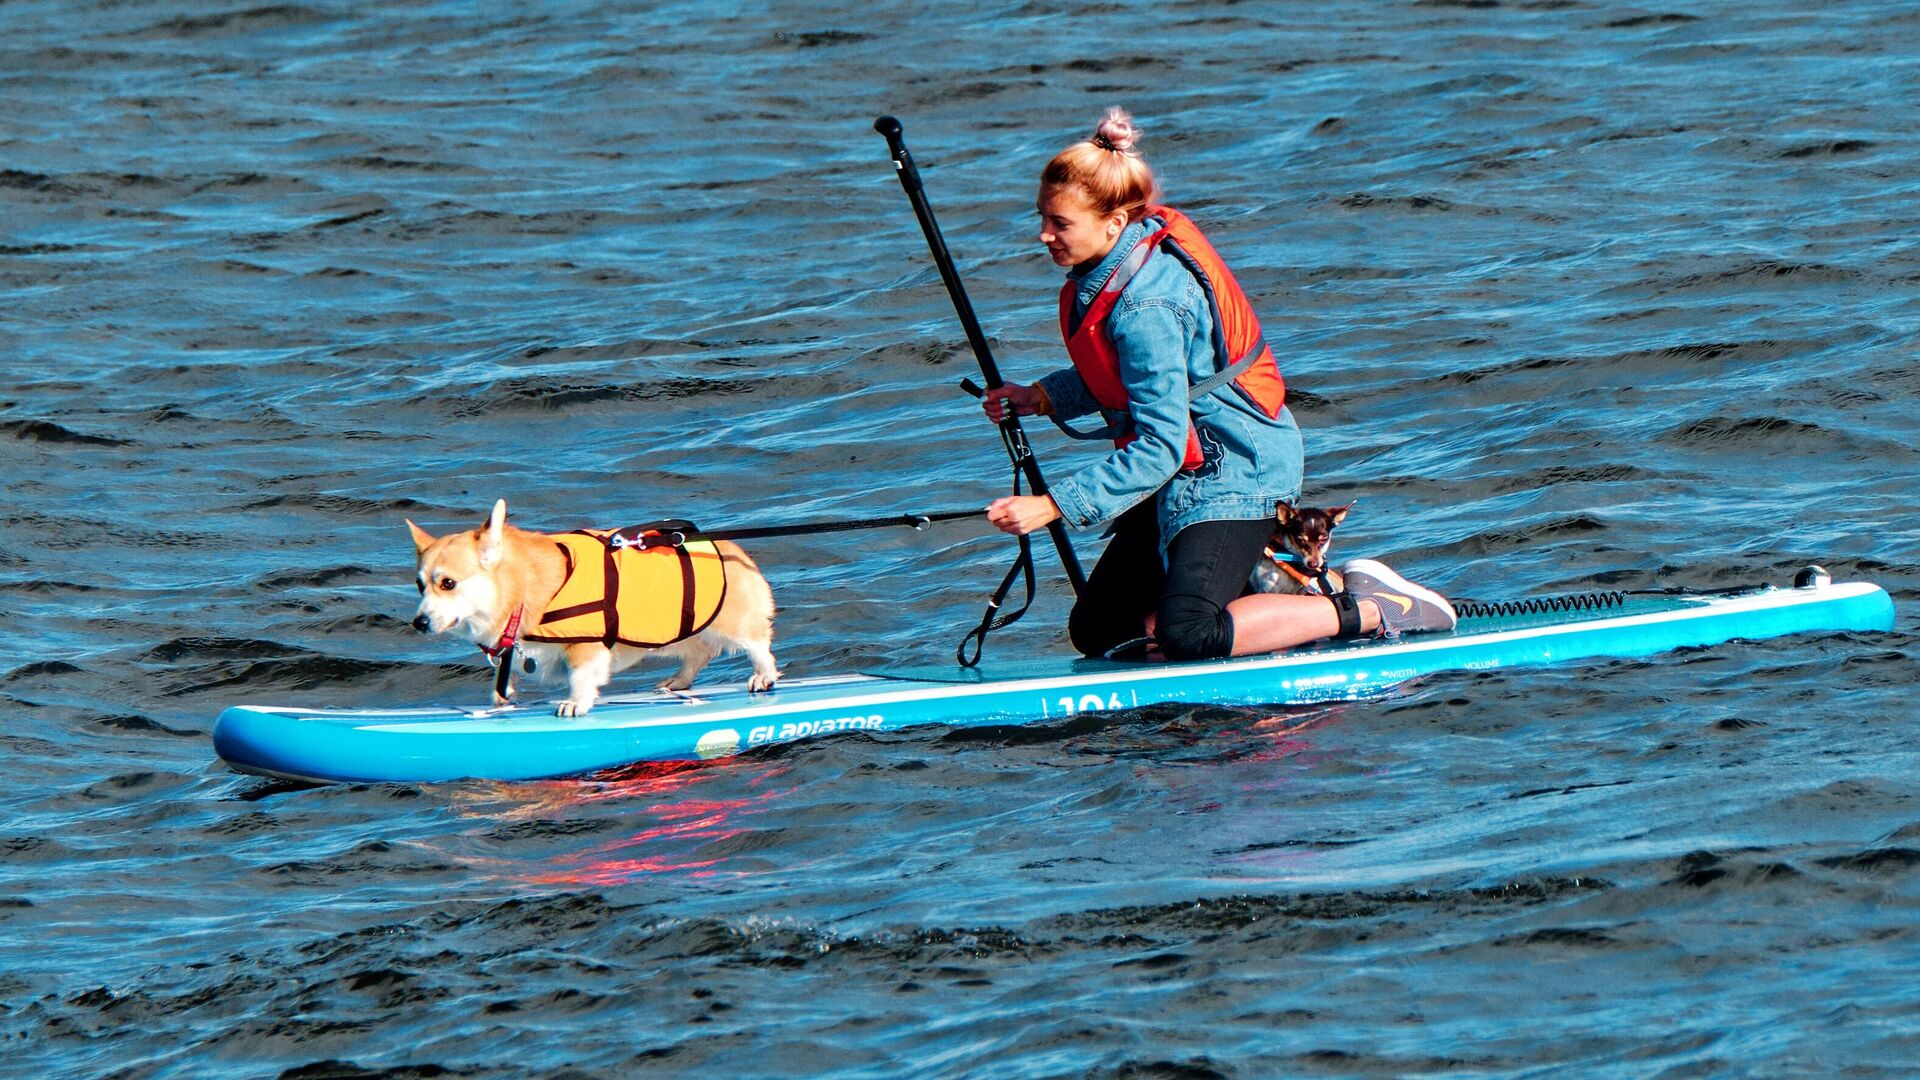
(1699, 869)
(1760, 272)
(630, 349)
(1557, 475)
(32, 849)
(32, 181)
(1836, 148)
(1136, 62)
(566, 910)
(541, 393)
(37, 249)
(134, 722)
(388, 163)
(1560, 937)
(303, 671)
(40, 669)
(814, 39)
(1361, 200)
(375, 858)
(40, 586)
(1723, 432)
(323, 576)
(1238, 912)
(1497, 541)
(177, 649)
(247, 21)
(50, 432)
(1665, 19)
(339, 505)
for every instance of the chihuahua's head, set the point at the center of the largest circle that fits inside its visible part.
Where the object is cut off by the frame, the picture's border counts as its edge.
(455, 575)
(1307, 531)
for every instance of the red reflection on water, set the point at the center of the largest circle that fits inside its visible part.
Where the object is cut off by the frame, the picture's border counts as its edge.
(1282, 735)
(679, 824)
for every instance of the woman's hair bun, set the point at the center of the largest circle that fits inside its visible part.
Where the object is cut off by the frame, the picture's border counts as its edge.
(1115, 131)
(1108, 168)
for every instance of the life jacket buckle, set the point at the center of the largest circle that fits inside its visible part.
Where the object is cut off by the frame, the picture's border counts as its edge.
(652, 538)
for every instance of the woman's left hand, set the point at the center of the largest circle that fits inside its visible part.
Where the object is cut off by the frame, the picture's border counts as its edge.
(1022, 514)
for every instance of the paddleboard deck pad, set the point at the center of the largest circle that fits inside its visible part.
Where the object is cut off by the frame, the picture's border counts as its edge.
(527, 741)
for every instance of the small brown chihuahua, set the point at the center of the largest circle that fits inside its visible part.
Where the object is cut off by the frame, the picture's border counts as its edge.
(1296, 556)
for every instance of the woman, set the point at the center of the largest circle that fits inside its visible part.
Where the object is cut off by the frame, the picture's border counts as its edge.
(1166, 347)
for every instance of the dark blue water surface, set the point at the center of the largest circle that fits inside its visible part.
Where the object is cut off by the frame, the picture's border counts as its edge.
(1571, 294)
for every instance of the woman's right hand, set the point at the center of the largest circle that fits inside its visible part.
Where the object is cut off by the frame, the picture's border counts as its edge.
(1024, 399)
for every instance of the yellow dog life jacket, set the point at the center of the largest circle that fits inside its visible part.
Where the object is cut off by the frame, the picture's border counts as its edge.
(627, 595)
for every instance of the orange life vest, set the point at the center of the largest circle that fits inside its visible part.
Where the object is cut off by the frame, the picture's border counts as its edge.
(626, 595)
(1245, 361)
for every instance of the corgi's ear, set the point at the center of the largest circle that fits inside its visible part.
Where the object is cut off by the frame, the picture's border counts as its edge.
(490, 535)
(421, 538)
(1338, 513)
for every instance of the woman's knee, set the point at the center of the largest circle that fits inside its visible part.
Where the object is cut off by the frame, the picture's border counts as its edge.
(1200, 632)
(1096, 629)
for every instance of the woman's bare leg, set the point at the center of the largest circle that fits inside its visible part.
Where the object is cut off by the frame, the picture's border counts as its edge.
(1269, 622)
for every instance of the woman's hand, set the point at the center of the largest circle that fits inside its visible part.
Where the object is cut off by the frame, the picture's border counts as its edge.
(1026, 401)
(1022, 514)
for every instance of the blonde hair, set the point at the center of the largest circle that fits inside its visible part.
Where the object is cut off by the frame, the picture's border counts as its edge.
(1107, 168)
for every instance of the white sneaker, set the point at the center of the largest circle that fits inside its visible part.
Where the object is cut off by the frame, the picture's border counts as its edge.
(1404, 606)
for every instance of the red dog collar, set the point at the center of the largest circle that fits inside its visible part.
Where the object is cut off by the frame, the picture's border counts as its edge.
(508, 638)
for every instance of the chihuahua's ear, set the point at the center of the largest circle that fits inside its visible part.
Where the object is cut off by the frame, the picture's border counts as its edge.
(1338, 513)
(490, 535)
(421, 538)
(1283, 512)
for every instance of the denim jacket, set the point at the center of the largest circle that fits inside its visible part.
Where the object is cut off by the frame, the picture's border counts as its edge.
(1162, 329)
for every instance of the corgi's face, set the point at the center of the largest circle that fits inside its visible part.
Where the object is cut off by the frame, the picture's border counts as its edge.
(455, 575)
(1308, 531)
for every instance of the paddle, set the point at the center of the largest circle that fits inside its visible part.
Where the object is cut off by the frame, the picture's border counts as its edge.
(1011, 434)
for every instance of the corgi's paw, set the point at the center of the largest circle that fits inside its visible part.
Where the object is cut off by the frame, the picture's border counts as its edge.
(762, 683)
(674, 684)
(571, 707)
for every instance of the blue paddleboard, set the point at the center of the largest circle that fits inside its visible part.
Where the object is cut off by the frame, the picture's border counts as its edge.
(527, 741)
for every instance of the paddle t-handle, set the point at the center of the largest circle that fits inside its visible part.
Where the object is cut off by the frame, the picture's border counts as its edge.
(890, 129)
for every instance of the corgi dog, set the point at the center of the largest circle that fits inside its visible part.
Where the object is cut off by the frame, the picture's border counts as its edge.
(496, 584)
(1296, 555)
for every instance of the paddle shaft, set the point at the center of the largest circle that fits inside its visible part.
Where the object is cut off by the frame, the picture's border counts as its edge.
(1010, 430)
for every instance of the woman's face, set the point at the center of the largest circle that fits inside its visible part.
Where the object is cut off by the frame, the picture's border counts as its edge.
(1072, 230)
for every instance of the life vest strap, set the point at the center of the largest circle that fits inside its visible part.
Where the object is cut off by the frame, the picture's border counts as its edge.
(1118, 426)
(1229, 373)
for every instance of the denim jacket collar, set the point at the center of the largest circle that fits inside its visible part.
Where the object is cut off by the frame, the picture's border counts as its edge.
(1087, 283)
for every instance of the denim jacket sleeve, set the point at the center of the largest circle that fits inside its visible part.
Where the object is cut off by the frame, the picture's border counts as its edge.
(1069, 394)
(1154, 334)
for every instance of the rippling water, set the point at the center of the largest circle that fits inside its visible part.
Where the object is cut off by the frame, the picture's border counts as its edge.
(1571, 294)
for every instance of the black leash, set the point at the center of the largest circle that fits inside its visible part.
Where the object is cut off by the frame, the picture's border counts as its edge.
(992, 619)
(676, 532)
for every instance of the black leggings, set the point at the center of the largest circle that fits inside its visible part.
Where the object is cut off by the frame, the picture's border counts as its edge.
(1207, 567)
